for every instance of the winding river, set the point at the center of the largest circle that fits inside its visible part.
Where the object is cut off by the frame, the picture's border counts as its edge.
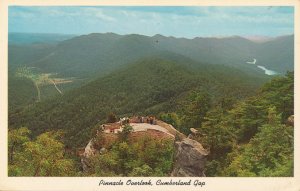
(267, 71)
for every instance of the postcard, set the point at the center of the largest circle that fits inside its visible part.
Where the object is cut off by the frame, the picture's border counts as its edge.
(160, 95)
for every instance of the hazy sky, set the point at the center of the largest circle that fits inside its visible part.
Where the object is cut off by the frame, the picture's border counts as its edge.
(169, 21)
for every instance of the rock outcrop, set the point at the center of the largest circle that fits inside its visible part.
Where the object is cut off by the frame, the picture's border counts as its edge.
(290, 120)
(88, 152)
(190, 159)
(190, 156)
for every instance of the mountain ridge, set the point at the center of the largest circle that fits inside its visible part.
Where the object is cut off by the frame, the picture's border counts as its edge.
(99, 53)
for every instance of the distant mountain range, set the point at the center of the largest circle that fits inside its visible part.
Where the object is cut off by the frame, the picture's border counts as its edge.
(97, 54)
(89, 57)
(35, 38)
(257, 38)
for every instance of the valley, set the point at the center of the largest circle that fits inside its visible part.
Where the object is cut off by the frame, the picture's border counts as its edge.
(91, 55)
(41, 79)
(63, 91)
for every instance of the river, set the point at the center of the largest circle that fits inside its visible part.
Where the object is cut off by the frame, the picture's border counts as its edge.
(267, 71)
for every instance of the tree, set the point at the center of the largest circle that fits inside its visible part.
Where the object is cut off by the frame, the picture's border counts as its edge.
(279, 92)
(104, 164)
(144, 170)
(195, 109)
(147, 156)
(269, 152)
(217, 136)
(99, 140)
(246, 117)
(111, 118)
(171, 118)
(16, 139)
(42, 157)
(123, 136)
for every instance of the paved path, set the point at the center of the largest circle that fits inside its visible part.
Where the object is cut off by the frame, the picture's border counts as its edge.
(144, 126)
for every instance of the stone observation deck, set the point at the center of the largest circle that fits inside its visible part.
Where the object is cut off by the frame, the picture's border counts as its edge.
(142, 124)
(145, 126)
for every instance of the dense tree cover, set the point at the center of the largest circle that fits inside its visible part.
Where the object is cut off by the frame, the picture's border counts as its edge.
(195, 108)
(147, 156)
(236, 122)
(24, 55)
(46, 156)
(16, 139)
(43, 156)
(251, 139)
(239, 134)
(173, 119)
(150, 86)
(88, 57)
(21, 92)
(268, 153)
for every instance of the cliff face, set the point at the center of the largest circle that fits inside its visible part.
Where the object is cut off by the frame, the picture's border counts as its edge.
(190, 159)
(88, 152)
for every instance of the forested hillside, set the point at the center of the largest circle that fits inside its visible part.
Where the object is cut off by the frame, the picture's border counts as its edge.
(254, 137)
(245, 137)
(60, 91)
(85, 58)
(149, 86)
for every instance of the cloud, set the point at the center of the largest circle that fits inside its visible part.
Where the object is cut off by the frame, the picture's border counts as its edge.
(96, 13)
(104, 17)
(20, 12)
(23, 15)
(188, 21)
(129, 13)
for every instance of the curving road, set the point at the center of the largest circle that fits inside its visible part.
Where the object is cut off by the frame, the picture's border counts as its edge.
(56, 86)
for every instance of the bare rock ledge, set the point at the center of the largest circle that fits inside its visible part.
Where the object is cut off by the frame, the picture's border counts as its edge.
(190, 159)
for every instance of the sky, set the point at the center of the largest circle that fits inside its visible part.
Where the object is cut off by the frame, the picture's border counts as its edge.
(188, 22)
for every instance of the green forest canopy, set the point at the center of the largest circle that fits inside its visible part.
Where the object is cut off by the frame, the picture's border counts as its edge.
(237, 134)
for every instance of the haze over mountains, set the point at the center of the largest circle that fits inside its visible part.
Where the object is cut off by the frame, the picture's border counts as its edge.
(97, 54)
(35, 38)
(89, 57)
